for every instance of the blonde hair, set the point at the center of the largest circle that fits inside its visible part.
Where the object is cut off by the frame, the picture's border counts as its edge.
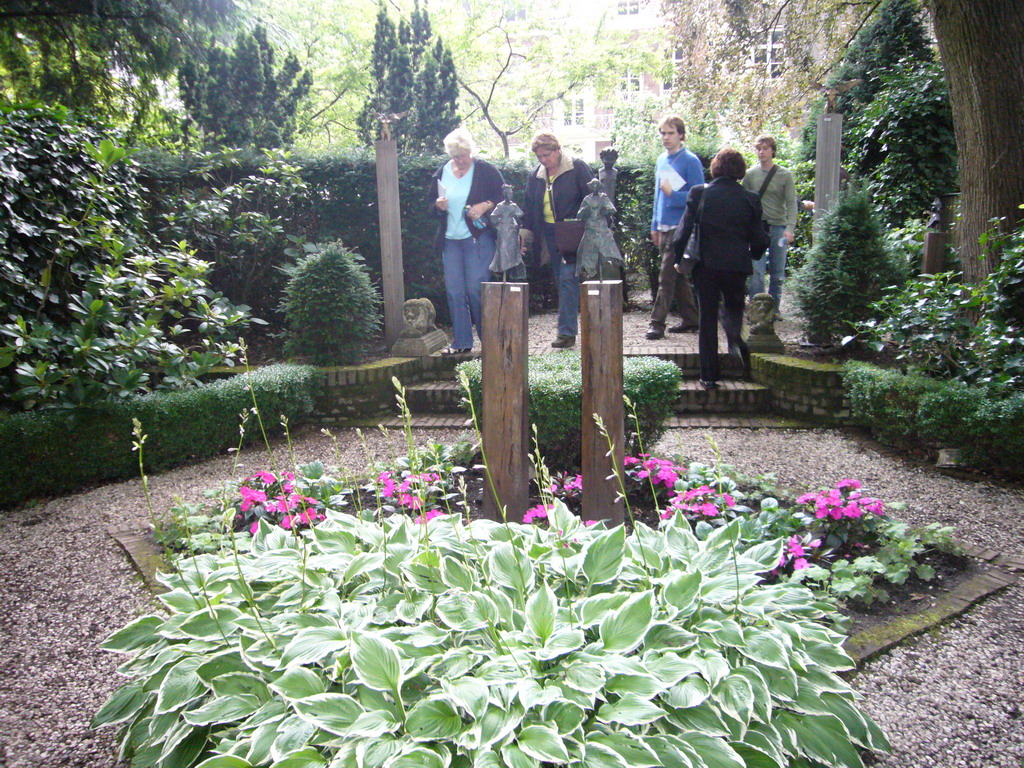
(545, 141)
(458, 142)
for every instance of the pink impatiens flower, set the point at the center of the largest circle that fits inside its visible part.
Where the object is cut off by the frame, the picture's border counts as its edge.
(539, 512)
(251, 496)
(427, 516)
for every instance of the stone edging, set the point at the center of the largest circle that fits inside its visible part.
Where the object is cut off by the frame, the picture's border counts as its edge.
(876, 640)
(146, 560)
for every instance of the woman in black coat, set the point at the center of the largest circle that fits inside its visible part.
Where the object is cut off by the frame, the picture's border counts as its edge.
(554, 192)
(730, 237)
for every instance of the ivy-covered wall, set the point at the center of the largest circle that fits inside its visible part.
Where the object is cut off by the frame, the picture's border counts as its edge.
(341, 202)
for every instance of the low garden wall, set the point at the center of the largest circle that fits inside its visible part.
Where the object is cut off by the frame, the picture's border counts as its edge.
(803, 388)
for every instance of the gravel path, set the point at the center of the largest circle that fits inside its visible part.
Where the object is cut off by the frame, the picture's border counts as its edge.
(952, 698)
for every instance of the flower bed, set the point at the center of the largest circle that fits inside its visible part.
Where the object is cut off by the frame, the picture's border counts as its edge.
(377, 640)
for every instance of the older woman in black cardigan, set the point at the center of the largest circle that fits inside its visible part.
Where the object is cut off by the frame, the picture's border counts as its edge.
(730, 238)
(462, 192)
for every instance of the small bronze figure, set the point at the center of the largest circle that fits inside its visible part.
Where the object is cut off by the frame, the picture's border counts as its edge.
(508, 258)
(597, 248)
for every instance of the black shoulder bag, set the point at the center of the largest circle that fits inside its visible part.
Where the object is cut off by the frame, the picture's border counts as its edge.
(691, 254)
(760, 193)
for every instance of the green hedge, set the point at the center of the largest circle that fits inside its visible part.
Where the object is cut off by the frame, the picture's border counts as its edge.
(341, 204)
(556, 401)
(916, 411)
(47, 452)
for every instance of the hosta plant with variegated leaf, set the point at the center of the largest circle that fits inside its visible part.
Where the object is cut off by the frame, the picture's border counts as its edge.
(448, 644)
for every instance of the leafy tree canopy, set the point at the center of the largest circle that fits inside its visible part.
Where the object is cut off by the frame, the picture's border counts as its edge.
(106, 57)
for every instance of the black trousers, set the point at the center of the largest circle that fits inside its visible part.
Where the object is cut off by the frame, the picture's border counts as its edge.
(715, 286)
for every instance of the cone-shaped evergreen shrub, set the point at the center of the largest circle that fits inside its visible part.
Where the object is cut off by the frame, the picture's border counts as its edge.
(845, 271)
(331, 308)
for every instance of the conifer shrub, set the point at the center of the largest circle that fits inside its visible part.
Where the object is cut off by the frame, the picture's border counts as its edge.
(332, 310)
(846, 270)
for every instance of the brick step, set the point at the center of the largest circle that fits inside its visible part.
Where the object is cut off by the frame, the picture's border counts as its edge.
(441, 396)
(732, 397)
(704, 420)
(444, 396)
(687, 362)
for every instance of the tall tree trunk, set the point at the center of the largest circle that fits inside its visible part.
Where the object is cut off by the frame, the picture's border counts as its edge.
(982, 48)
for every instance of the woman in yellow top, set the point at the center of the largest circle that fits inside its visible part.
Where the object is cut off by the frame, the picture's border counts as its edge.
(554, 192)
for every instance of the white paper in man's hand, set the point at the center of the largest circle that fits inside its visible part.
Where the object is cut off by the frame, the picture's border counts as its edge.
(673, 178)
(442, 192)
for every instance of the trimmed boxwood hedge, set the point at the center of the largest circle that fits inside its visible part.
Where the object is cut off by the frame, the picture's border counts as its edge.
(916, 411)
(43, 453)
(556, 401)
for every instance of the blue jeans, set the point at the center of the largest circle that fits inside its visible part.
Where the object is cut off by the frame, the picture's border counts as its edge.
(466, 265)
(775, 263)
(566, 280)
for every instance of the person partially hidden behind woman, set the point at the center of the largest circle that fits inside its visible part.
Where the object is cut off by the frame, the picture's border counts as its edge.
(730, 238)
(554, 192)
(462, 192)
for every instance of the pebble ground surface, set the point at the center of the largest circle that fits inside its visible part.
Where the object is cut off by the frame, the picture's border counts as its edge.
(951, 698)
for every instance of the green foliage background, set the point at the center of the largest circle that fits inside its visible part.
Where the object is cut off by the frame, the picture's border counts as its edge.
(238, 96)
(337, 200)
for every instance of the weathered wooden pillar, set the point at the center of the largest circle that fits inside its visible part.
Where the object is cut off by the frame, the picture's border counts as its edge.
(826, 163)
(933, 257)
(506, 399)
(390, 218)
(601, 351)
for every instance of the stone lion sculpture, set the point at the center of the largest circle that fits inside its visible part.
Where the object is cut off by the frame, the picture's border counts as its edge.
(419, 316)
(762, 315)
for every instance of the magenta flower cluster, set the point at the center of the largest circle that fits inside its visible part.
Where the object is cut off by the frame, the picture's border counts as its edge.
(797, 550)
(650, 469)
(268, 496)
(845, 501)
(412, 491)
(570, 486)
(539, 512)
(703, 501)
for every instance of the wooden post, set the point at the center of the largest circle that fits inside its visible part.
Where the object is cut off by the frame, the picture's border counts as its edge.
(506, 399)
(390, 218)
(933, 258)
(601, 351)
(826, 164)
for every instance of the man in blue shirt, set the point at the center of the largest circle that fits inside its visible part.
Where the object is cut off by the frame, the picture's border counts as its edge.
(676, 171)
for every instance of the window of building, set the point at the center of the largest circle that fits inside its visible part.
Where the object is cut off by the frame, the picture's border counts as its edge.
(630, 86)
(768, 53)
(629, 7)
(573, 112)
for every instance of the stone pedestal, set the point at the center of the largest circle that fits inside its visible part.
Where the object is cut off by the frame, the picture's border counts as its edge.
(421, 346)
(419, 336)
